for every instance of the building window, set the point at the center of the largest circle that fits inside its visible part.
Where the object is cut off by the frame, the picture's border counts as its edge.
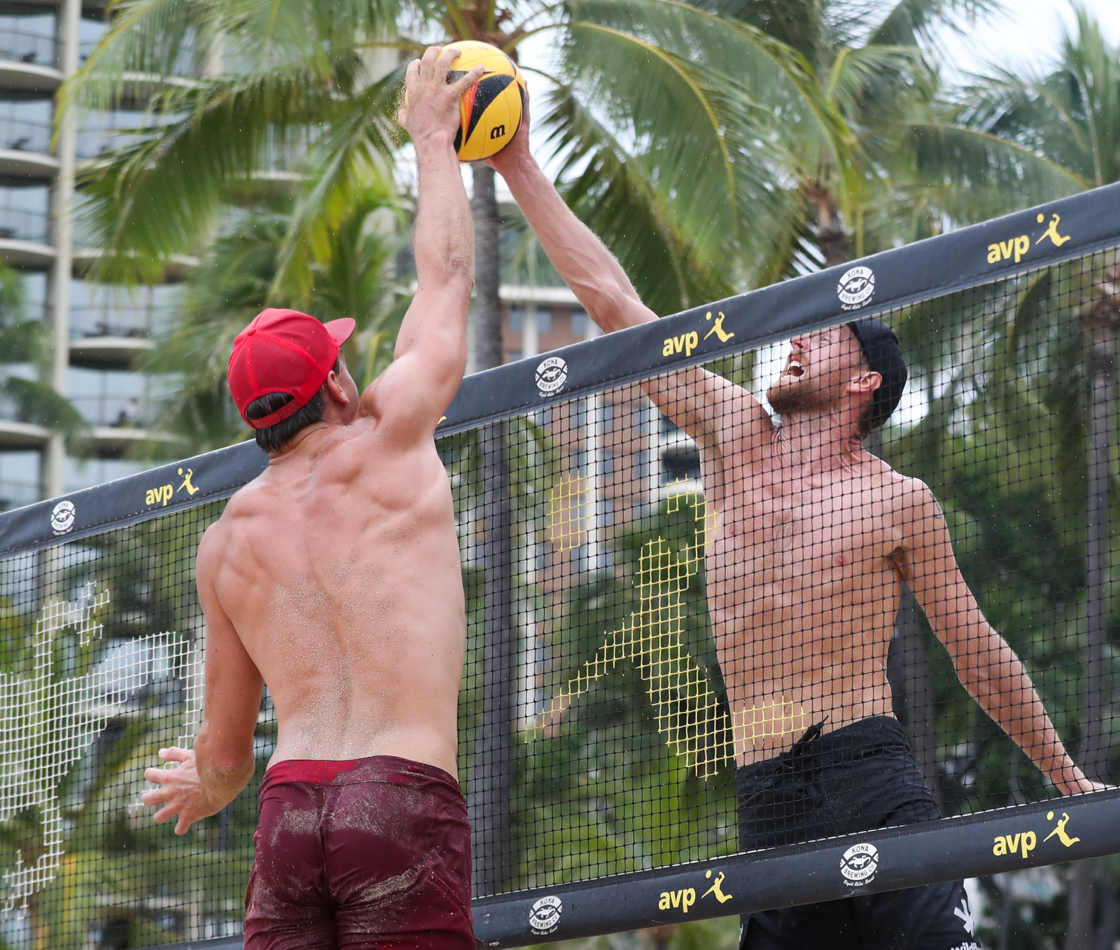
(517, 320)
(580, 323)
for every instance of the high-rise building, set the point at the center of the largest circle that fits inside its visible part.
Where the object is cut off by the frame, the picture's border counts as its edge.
(96, 332)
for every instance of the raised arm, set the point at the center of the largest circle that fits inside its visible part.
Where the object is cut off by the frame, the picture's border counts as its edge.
(431, 352)
(701, 403)
(222, 762)
(987, 667)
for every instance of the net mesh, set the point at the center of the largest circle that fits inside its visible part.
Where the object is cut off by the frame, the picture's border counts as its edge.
(678, 598)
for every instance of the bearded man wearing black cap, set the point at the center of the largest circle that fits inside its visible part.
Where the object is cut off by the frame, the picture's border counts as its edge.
(811, 542)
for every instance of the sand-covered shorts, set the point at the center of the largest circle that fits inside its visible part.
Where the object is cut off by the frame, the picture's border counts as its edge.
(370, 853)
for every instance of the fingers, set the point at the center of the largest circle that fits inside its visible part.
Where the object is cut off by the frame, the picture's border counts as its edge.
(463, 84)
(174, 754)
(182, 826)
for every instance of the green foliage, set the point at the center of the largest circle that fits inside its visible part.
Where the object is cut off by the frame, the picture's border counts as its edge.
(349, 274)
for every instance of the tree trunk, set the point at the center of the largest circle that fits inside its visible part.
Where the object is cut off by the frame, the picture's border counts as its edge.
(831, 239)
(492, 769)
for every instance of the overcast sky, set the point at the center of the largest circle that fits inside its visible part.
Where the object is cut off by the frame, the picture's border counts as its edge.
(1027, 32)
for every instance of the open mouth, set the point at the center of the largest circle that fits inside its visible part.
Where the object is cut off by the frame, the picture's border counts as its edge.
(795, 368)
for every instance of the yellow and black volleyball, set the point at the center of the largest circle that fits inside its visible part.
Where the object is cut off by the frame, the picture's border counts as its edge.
(490, 111)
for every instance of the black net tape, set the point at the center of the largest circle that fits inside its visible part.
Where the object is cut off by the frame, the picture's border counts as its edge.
(664, 601)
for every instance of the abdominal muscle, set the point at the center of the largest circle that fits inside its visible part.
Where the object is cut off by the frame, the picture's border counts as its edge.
(783, 678)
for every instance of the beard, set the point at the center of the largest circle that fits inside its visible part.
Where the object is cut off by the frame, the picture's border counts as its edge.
(788, 395)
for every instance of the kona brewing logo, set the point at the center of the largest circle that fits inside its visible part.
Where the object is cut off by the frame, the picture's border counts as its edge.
(162, 494)
(551, 375)
(859, 863)
(544, 915)
(1018, 247)
(856, 287)
(62, 517)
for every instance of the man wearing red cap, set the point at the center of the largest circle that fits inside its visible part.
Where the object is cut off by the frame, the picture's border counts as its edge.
(334, 577)
(810, 539)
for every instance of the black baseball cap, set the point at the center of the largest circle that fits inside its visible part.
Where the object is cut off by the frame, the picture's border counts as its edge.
(880, 346)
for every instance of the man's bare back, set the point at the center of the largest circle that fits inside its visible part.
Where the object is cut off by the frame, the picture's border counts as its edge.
(334, 577)
(338, 577)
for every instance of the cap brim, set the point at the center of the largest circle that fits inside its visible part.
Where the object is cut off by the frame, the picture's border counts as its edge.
(340, 329)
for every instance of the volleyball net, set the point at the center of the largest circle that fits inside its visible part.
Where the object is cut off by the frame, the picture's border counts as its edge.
(663, 597)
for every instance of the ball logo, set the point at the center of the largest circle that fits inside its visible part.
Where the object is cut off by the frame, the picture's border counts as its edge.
(856, 287)
(62, 517)
(859, 863)
(544, 915)
(551, 374)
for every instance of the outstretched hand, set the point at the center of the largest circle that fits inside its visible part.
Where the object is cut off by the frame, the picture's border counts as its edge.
(180, 790)
(431, 102)
(518, 147)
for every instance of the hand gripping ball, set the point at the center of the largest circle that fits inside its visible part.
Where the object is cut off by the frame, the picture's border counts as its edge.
(490, 111)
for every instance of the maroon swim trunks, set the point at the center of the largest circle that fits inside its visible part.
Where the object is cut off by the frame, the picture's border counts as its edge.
(373, 853)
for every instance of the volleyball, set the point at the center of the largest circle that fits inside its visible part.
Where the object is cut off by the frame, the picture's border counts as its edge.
(490, 111)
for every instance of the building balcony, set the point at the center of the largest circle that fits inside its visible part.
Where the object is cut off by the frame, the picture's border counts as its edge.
(33, 255)
(29, 77)
(19, 163)
(108, 351)
(22, 435)
(106, 442)
(85, 259)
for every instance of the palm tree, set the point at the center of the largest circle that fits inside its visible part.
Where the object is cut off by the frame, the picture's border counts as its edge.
(25, 343)
(350, 275)
(1069, 115)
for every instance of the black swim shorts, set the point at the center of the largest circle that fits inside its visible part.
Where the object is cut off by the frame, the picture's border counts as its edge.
(858, 778)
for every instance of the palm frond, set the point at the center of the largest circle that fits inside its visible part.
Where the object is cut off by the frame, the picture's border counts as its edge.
(917, 22)
(609, 191)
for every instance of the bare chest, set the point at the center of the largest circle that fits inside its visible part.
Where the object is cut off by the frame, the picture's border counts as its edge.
(791, 530)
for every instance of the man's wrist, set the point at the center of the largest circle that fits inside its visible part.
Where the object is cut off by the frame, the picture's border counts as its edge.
(436, 139)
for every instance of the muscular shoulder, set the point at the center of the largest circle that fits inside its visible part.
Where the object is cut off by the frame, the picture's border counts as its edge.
(211, 549)
(914, 505)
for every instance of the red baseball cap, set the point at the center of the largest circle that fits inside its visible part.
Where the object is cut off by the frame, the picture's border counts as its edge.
(284, 351)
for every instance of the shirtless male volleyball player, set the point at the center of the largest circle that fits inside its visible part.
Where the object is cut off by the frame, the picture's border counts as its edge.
(334, 577)
(812, 540)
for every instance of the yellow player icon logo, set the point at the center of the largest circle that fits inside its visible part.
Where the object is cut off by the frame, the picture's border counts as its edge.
(716, 890)
(187, 482)
(1060, 830)
(1052, 230)
(717, 328)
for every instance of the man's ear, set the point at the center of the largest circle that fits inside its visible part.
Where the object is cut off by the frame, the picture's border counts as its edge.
(866, 382)
(334, 390)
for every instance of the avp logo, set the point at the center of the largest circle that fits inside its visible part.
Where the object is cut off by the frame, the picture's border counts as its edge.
(1025, 842)
(684, 898)
(1019, 247)
(162, 494)
(687, 342)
